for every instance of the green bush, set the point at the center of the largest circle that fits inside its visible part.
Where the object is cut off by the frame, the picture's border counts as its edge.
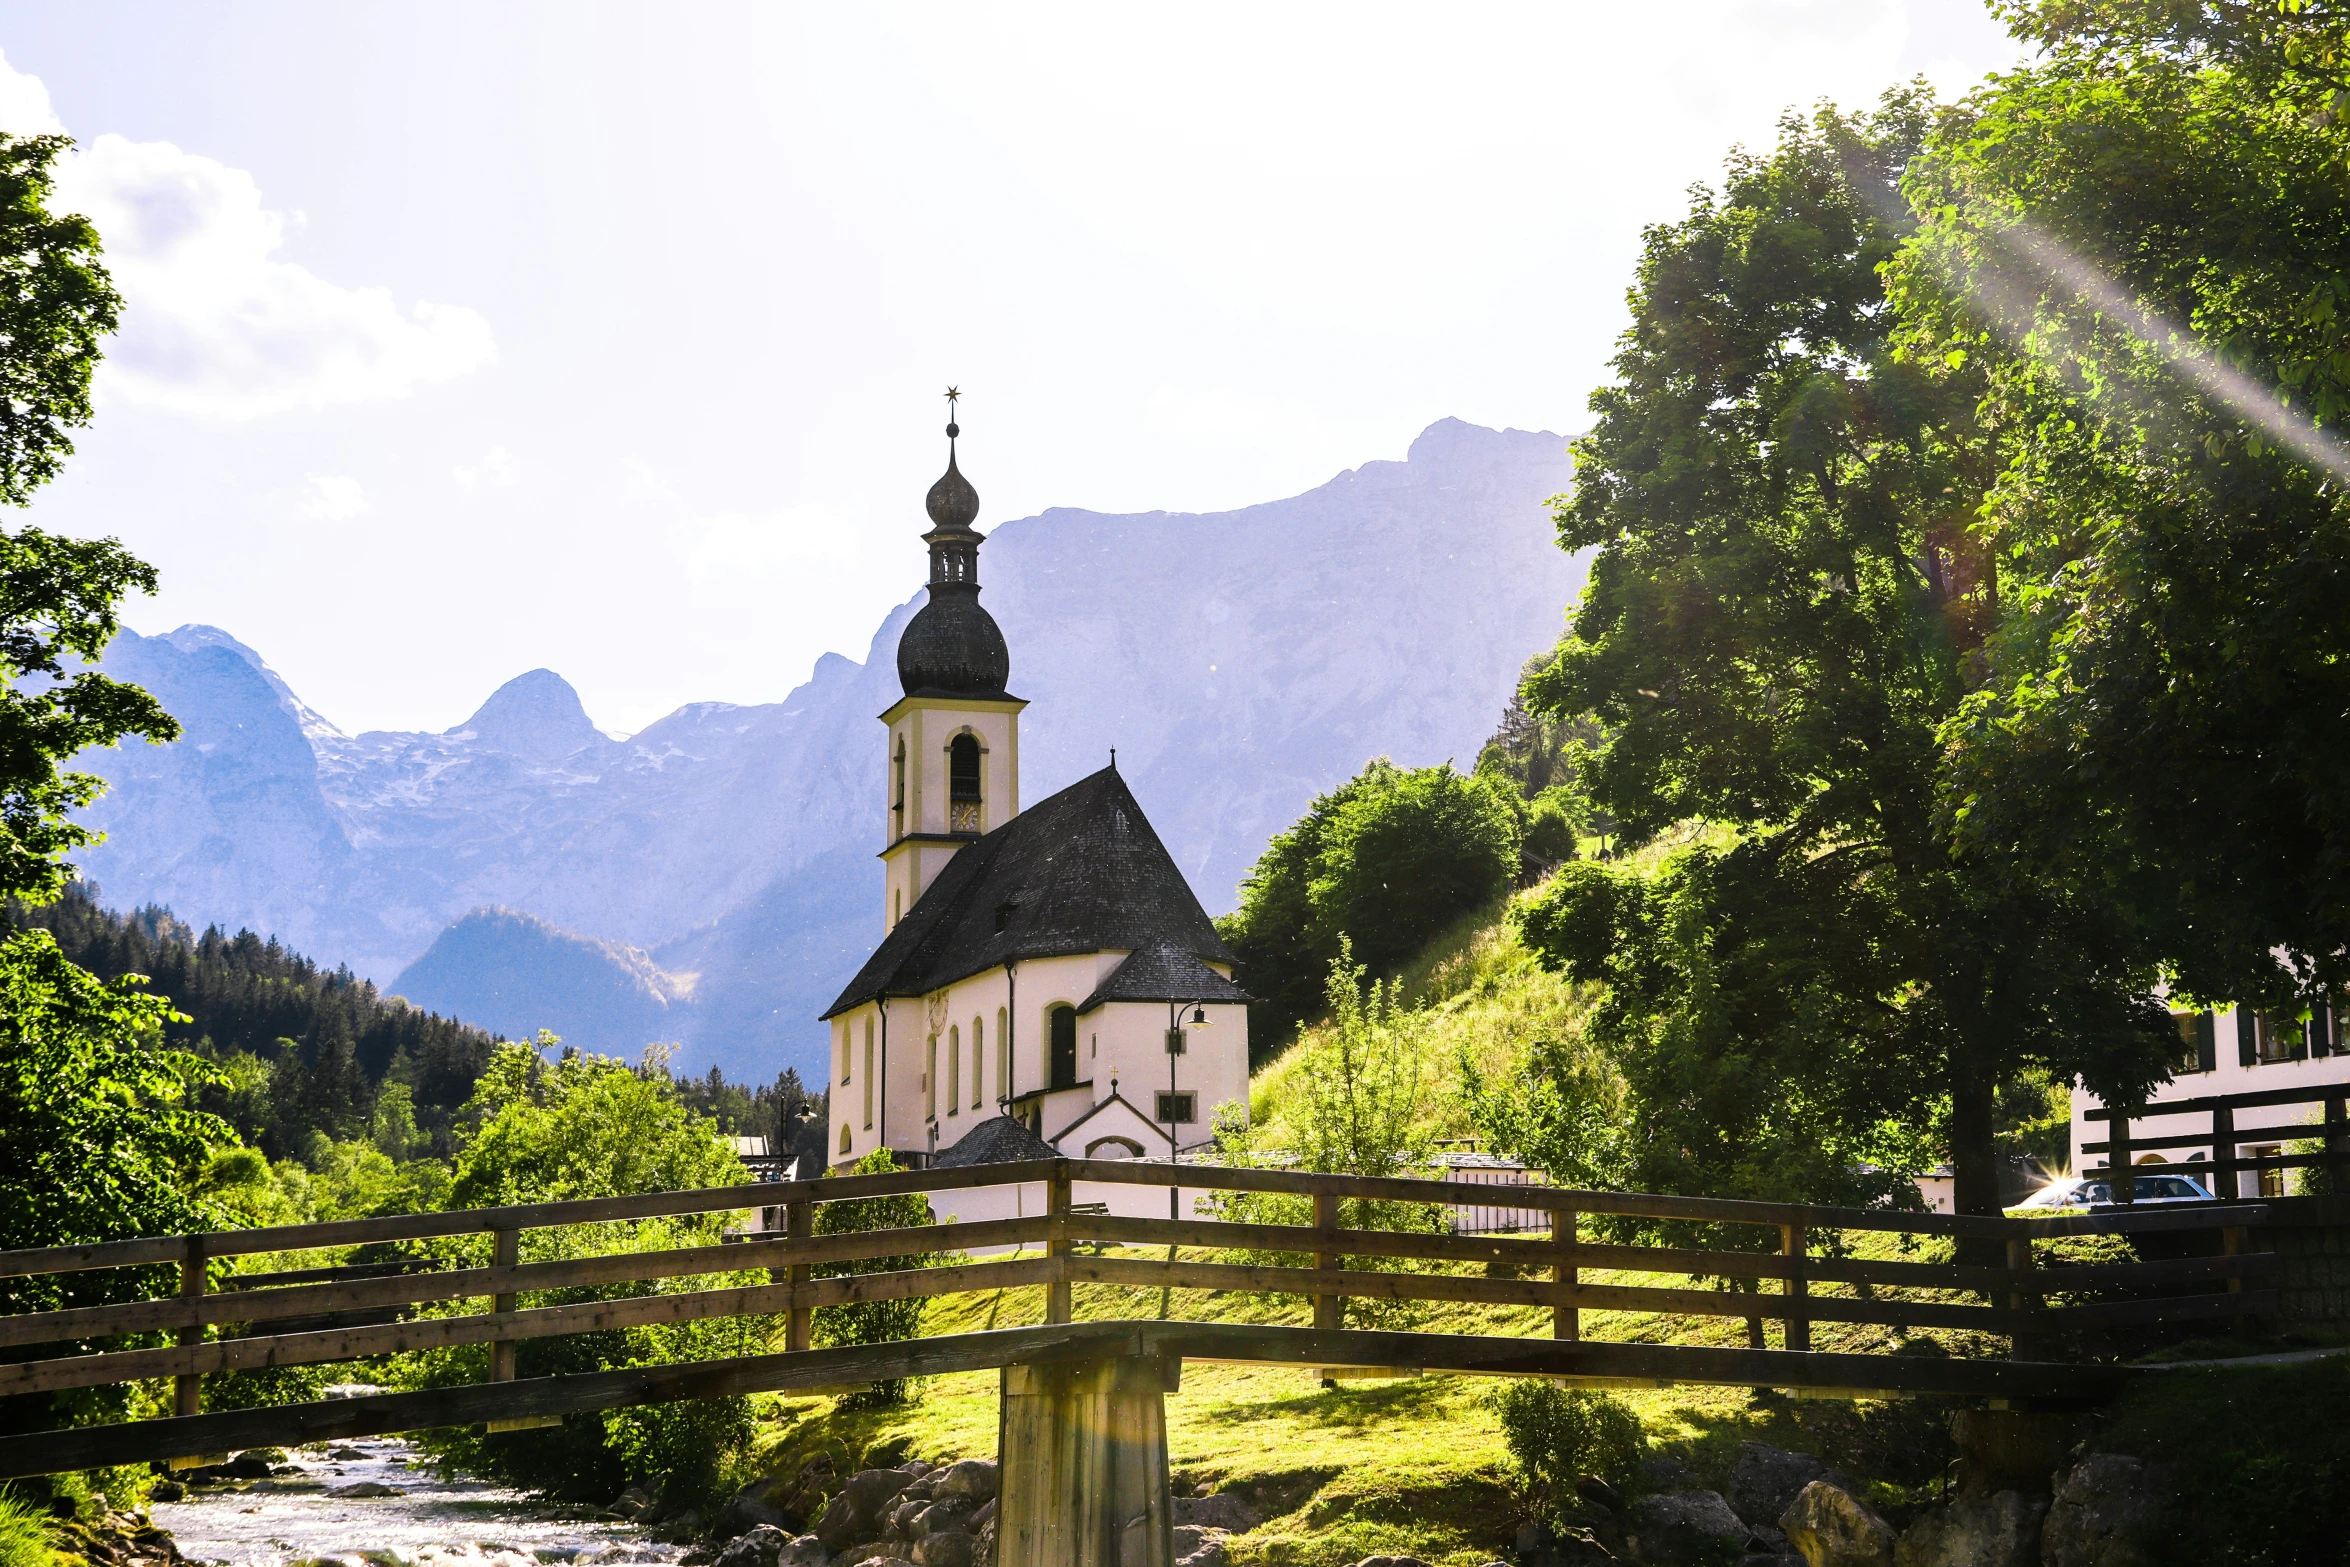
(874, 1321)
(1557, 1435)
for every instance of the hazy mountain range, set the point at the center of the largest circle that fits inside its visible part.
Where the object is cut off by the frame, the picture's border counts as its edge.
(713, 881)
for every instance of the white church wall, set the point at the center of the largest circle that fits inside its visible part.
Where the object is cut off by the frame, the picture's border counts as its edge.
(1130, 1038)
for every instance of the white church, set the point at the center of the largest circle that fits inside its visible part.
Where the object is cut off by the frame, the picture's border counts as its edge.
(1047, 983)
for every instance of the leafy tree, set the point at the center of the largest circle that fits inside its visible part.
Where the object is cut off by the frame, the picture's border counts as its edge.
(2138, 239)
(874, 1321)
(99, 1140)
(581, 1126)
(1390, 859)
(1792, 591)
(56, 302)
(589, 1126)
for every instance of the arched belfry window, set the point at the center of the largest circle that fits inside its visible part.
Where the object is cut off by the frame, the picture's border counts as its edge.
(963, 783)
(1062, 1026)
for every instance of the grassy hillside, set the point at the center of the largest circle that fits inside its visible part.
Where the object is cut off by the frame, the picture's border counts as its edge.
(1397, 1466)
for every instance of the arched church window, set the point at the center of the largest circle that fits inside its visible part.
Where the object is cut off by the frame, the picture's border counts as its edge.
(930, 1078)
(1062, 1024)
(963, 783)
(844, 1137)
(978, 1058)
(1003, 1054)
(954, 1070)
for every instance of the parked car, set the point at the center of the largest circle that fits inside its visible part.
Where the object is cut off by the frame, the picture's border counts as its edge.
(2097, 1192)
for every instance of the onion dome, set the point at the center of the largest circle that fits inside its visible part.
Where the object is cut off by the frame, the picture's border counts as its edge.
(952, 647)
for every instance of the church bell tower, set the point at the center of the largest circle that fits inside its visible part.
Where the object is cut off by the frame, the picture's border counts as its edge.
(954, 738)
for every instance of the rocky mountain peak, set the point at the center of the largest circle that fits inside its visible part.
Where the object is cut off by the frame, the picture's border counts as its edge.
(535, 715)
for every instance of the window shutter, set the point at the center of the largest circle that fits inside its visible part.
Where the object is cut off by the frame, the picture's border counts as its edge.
(2321, 1031)
(2206, 1041)
(2247, 1038)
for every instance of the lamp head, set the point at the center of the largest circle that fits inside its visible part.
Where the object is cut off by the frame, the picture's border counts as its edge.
(1198, 1018)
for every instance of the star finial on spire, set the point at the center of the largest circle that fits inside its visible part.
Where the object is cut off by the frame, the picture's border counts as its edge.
(953, 392)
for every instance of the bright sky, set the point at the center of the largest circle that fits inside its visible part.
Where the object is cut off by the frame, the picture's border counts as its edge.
(467, 338)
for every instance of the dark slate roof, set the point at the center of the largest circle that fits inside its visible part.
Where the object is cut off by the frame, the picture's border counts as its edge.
(1079, 872)
(997, 1140)
(1163, 974)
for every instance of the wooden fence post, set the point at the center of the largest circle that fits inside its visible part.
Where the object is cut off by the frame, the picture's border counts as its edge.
(799, 1220)
(2227, 1187)
(2122, 1175)
(188, 1387)
(1056, 1207)
(2023, 1297)
(1795, 1244)
(1565, 1321)
(505, 1252)
(1329, 1310)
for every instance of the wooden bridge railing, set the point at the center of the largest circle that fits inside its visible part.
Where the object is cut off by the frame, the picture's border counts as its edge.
(2223, 1139)
(1550, 1272)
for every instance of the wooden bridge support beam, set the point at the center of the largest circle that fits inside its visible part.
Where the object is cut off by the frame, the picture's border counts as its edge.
(1083, 1455)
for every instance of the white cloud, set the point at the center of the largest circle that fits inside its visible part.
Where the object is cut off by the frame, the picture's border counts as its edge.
(24, 104)
(215, 323)
(333, 497)
(495, 471)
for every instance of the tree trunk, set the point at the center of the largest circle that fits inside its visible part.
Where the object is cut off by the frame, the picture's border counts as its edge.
(1974, 1150)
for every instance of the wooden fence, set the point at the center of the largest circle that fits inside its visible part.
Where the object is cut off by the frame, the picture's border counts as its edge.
(2222, 1140)
(1799, 1250)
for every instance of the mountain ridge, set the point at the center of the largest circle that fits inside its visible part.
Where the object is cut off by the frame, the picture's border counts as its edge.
(1241, 661)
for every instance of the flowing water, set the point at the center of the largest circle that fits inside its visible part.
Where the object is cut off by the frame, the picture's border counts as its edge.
(436, 1522)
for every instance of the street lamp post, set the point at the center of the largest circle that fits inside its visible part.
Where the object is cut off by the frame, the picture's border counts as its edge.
(1176, 1045)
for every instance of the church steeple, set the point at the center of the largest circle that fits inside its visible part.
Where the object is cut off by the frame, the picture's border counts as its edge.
(953, 646)
(954, 738)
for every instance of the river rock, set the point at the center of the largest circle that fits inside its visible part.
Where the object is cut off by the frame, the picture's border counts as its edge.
(637, 1501)
(975, 1478)
(1684, 1529)
(944, 1548)
(1766, 1480)
(1981, 1531)
(167, 1491)
(760, 1547)
(874, 1551)
(804, 1551)
(947, 1513)
(1200, 1546)
(2109, 1511)
(857, 1513)
(1224, 1510)
(1834, 1528)
(365, 1489)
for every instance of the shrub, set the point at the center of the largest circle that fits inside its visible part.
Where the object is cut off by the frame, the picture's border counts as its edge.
(1557, 1435)
(874, 1321)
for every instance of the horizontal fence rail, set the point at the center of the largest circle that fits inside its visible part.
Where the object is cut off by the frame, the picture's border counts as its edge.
(220, 1321)
(2225, 1140)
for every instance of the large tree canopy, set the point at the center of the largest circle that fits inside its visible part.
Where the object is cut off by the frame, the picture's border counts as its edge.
(1792, 592)
(2140, 239)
